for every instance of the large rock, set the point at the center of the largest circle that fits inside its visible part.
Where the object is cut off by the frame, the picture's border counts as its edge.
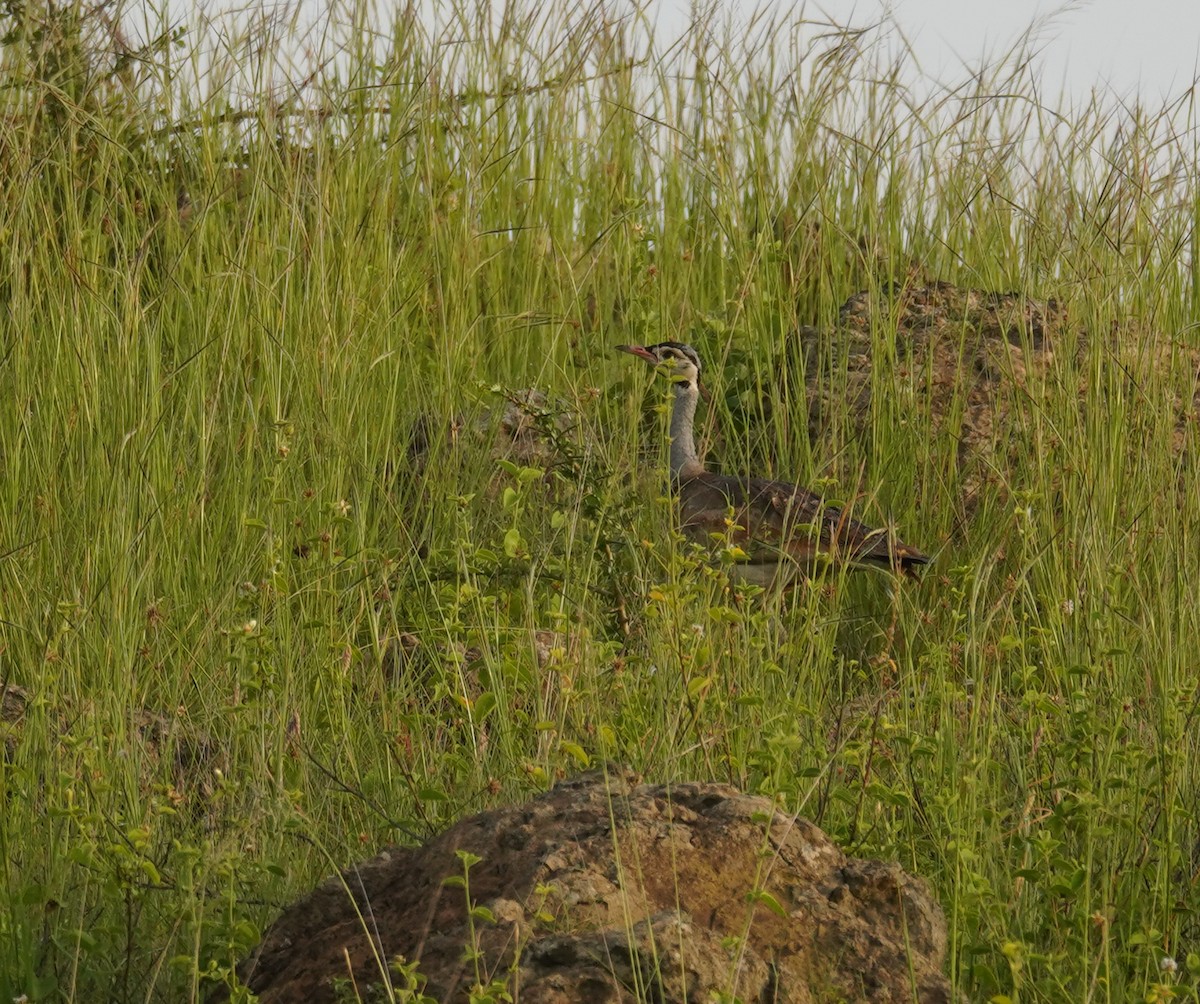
(977, 361)
(603, 890)
(972, 356)
(525, 426)
(13, 701)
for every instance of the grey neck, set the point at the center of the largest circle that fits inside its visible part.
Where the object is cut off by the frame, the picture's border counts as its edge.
(684, 461)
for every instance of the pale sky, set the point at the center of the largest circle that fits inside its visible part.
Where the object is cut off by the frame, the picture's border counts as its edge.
(1128, 46)
(1121, 47)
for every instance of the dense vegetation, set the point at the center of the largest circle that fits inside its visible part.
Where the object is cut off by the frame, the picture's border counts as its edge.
(274, 603)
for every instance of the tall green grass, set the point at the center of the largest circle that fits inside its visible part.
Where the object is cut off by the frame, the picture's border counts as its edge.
(236, 274)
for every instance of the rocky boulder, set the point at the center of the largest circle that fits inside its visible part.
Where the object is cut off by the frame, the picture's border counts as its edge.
(972, 355)
(13, 701)
(974, 362)
(605, 890)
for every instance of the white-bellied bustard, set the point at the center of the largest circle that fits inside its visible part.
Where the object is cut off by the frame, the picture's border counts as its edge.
(783, 530)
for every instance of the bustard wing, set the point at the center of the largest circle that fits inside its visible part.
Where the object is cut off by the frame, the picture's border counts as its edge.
(773, 521)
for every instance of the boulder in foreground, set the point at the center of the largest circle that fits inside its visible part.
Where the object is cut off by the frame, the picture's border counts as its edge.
(603, 890)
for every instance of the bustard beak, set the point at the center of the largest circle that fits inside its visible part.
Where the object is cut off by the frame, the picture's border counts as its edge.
(640, 352)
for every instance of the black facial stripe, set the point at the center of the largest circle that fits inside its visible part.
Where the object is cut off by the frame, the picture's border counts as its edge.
(675, 351)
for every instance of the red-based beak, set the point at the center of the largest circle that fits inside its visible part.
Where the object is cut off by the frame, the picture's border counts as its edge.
(640, 352)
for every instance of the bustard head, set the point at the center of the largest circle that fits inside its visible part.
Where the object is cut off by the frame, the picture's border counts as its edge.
(680, 361)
